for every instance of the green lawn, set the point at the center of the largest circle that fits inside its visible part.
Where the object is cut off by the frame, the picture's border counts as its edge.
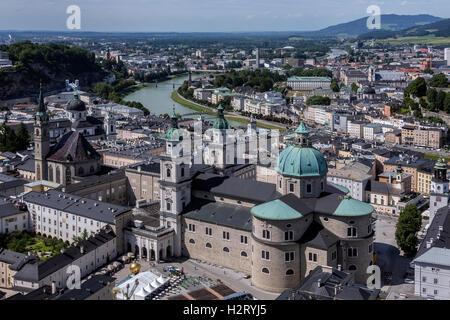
(436, 157)
(176, 97)
(430, 39)
(23, 242)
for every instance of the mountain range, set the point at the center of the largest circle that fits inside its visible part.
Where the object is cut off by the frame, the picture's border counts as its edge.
(355, 28)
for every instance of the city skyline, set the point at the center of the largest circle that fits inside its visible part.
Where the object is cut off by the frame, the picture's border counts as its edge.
(186, 16)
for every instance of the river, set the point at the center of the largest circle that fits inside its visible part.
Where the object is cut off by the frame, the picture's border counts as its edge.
(156, 98)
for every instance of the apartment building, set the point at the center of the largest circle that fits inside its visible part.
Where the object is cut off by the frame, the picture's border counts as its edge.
(356, 129)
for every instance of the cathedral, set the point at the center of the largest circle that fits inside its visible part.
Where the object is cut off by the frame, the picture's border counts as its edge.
(275, 233)
(71, 155)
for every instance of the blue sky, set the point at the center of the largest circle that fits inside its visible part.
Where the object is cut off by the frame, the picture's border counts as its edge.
(202, 15)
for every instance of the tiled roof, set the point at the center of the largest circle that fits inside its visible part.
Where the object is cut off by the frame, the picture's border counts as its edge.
(73, 147)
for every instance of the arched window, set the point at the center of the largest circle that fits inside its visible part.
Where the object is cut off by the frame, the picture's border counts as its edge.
(50, 173)
(351, 232)
(243, 254)
(182, 172)
(225, 249)
(192, 241)
(58, 175)
(352, 267)
(80, 171)
(208, 245)
(289, 272)
(265, 270)
(168, 173)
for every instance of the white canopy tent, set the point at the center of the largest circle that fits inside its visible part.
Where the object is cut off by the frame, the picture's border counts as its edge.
(148, 282)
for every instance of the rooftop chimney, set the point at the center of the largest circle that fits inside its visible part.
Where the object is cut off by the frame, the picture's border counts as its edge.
(82, 249)
(53, 287)
(339, 267)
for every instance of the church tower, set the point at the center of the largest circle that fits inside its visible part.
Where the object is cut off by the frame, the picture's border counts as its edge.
(175, 183)
(439, 188)
(41, 139)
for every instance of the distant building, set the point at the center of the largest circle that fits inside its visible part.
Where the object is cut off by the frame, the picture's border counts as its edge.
(308, 83)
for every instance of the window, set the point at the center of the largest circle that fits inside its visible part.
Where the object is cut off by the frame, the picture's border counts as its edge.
(424, 279)
(435, 292)
(192, 241)
(244, 240)
(243, 254)
(308, 188)
(280, 184)
(208, 231)
(168, 173)
(289, 256)
(352, 267)
(351, 232)
(226, 235)
(325, 219)
(265, 270)
(289, 272)
(266, 234)
(435, 280)
(312, 257)
(424, 290)
(191, 227)
(291, 187)
(333, 255)
(289, 235)
(168, 206)
(265, 255)
(208, 245)
(225, 249)
(352, 252)
(182, 172)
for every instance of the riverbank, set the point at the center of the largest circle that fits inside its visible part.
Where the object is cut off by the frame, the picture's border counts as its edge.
(200, 108)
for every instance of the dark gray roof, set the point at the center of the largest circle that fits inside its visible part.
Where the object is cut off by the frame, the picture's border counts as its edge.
(236, 188)
(28, 165)
(88, 288)
(12, 184)
(318, 237)
(324, 283)
(219, 213)
(381, 187)
(100, 211)
(11, 257)
(38, 270)
(441, 219)
(409, 162)
(91, 181)
(153, 167)
(7, 208)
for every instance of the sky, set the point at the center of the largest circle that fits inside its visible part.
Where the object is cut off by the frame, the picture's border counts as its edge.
(202, 15)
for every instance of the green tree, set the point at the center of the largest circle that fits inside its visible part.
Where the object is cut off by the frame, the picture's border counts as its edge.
(418, 87)
(354, 87)
(8, 139)
(318, 100)
(408, 225)
(23, 137)
(438, 81)
(334, 86)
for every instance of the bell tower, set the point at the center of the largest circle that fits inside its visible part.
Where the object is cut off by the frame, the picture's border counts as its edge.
(41, 139)
(175, 183)
(439, 188)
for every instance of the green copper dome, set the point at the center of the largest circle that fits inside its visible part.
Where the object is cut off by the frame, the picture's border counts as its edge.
(76, 104)
(301, 162)
(440, 165)
(220, 123)
(275, 210)
(302, 129)
(350, 207)
(173, 134)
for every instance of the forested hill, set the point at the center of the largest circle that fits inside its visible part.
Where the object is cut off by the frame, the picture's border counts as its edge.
(51, 63)
(439, 29)
(391, 22)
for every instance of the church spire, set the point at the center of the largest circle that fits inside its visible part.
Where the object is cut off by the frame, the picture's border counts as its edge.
(41, 107)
